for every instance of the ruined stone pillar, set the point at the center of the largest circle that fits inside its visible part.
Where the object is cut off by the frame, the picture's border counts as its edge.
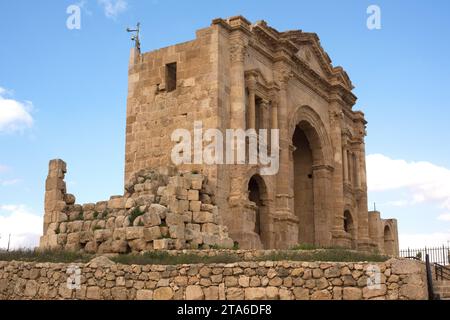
(375, 230)
(55, 192)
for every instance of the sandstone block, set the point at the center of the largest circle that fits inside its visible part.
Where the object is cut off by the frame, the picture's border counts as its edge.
(134, 233)
(151, 219)
(161, 244)
(116, 203)
(194, 292)
(321, 295)
(352, 293)
(202, 217)
(144, 295)
(152, 233)
(235, 294)
(193, 195)
(255, 293)
(163, 293)
(301, 293)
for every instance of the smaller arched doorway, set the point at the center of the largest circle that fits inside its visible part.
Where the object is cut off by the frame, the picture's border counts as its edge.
(349, 227)
(388, 241)
(257, 193)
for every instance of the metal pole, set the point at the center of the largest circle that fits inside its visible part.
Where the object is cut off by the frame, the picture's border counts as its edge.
(429, 278)
(9, 241)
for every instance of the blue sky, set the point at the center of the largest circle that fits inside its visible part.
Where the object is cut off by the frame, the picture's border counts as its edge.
(68, 89)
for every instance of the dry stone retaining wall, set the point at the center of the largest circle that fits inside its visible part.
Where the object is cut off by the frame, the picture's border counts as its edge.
(160, 210)
(102, 279)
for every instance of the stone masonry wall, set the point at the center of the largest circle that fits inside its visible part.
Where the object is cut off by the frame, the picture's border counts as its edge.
(161, 210)
(102, 279)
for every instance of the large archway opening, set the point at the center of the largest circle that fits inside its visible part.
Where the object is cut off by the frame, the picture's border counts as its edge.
(349, 227)
(303, 186)
(388, 241)
(257, 193)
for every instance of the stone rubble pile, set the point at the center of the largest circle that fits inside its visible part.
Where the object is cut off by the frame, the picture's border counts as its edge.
(161, 210)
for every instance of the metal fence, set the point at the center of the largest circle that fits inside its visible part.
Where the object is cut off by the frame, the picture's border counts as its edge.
(439, 255)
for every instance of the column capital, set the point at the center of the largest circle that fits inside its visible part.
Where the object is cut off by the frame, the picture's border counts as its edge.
(251, 82)
(283, 76)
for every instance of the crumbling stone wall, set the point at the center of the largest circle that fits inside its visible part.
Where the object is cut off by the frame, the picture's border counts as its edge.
(101, 279)
(160, 210)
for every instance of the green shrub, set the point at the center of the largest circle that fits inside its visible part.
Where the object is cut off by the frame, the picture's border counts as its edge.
(35, 255)
(134, 214)
(164, 258)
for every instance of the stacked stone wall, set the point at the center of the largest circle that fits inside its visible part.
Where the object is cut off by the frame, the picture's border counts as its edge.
(103, 280)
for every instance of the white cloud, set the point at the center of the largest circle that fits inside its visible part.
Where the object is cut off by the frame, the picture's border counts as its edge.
(10, 182)
(24, 226)
(421, 240)
(112, 8)
(3, 168)
(15, 116)
(444, 217)
(424, 181)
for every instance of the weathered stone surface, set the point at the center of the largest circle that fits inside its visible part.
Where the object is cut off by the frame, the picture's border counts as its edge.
(301, 293)
(194, 292)
(255, 293)
(163, 293)
(405, 266)
(352, 293)
(144, 295)
(321, 295)
(152, 233)
(248, 279)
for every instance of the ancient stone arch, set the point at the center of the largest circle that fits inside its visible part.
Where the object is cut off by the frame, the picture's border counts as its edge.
(258, 195)
(311, 178)
(388, 240)
(314, 128)
(350, 226)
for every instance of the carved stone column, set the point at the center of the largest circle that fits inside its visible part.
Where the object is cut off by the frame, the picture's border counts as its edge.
(274, 120)
(251, 113)
(286, 221)
(345, 161)
(322, 176)
(264, 105)
(237, 88)
(336, 214)
(284, 194)
(237, 199)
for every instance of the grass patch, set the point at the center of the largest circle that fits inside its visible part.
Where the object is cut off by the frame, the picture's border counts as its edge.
(331, 255)
(33, 255)
(165, 258)
(304, 246)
